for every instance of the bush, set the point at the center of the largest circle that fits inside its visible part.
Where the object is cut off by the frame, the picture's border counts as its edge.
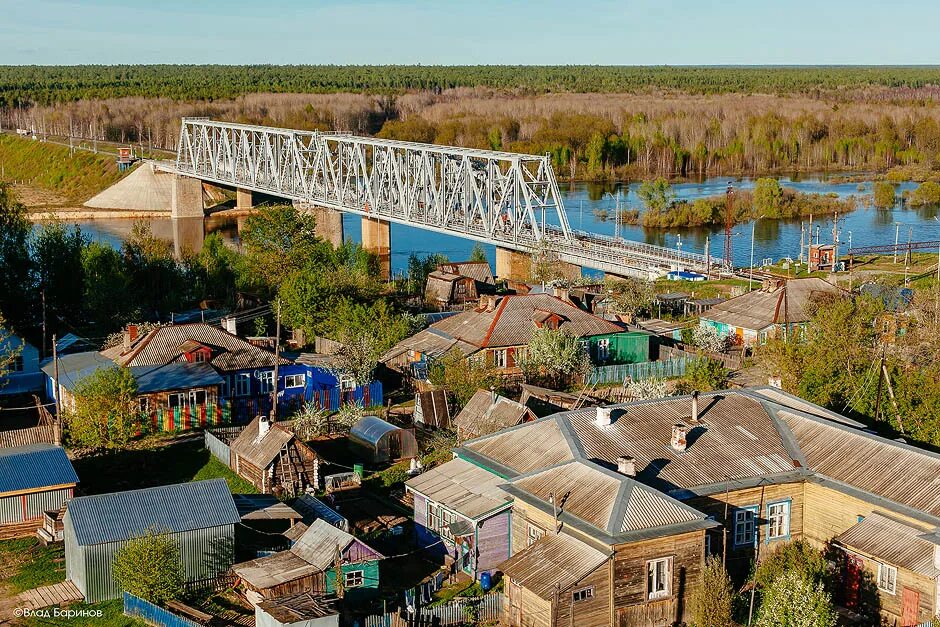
(884, 195)
(797, 556)
(793, 601)
(707, 338)
(712, 602)
(927, 193)
(704, 375)
(106, 413)
(150, 567)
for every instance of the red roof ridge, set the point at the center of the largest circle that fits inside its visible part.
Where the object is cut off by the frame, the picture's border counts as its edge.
(499, 312)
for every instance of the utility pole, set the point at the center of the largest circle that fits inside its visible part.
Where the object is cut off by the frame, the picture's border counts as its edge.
(729, 223)
(897, 233)
(835, 242)
(708, 259)
(809, 245)
(43, 351)
(57, 425)
(277, 360)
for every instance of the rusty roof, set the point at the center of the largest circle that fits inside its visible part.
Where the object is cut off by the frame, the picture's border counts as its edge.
(260, 452)
(555, 561)
(479, 271)
(167, 344)
(273, 570)
(298, 608)
(892, 542)
(462, 487)
(487, 412)
(775, 304)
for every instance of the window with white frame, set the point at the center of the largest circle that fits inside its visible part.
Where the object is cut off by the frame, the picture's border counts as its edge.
(499, 358)
(778, 520)
(294, 381)
(583, 594)
(603, 349)
(533, 534)
(198, 397)
(265, 381)
(177, 399)
(439, 520)
(347, 381)
(242, 384)
(744, 527)
(144, 403)
(887, 578)
(354, 578)
(659, 578)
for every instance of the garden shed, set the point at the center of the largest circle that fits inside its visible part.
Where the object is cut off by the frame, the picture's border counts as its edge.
(200, 515)
(381, 441)
(33, 479)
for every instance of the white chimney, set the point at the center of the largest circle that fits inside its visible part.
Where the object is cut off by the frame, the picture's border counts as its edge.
(679, 433)
(626, 465)
(603, 416)
(695, 406)
(936, 556)
(263, 427)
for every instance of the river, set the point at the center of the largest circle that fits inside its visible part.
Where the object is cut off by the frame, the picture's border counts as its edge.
(773, 239)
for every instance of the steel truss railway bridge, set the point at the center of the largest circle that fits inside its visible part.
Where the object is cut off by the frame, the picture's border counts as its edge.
(509, 200)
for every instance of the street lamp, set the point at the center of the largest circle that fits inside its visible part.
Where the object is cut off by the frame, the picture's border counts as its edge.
(750, 278)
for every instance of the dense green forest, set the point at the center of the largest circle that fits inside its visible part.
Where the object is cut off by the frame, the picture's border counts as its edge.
(44, 85)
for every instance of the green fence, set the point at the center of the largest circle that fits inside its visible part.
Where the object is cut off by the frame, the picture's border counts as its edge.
(664, 369)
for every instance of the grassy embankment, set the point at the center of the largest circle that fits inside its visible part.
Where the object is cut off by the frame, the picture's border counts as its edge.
(46, 175)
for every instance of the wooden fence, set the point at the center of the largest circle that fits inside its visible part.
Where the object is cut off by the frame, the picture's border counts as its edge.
(460, 611)
(154, 614)
(218, 440)
(663, 369)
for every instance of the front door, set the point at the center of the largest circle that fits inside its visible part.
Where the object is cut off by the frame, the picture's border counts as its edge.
(854, 566)
(910, 603)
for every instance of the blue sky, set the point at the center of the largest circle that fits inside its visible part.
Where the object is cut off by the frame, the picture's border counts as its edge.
(624, 32)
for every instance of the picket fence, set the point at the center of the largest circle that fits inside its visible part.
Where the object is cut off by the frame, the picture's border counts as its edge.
(489, 608)
(154, 614)
(618, 373)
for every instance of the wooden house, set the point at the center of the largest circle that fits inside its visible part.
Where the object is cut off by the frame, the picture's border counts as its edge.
(780, 308)
(499, 329)
(200, 516)
(445, 290)
(487, 412)
(614, 509)
(34, 479)
(273, 459)
(22, 374)
(310, 566)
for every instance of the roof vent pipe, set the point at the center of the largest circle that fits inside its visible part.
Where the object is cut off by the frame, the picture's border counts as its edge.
(679, 433)
(695, 406)
(626, 465)
(603, 416)
(263, 427)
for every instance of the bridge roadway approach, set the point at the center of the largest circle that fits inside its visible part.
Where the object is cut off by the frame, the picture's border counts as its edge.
(506, 199)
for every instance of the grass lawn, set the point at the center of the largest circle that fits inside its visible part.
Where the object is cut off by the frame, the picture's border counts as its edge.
(26, 564)
(104, 614)
(160, 464)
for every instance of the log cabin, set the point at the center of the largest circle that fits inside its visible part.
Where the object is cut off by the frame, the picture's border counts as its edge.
(614, 509)
(273, 459)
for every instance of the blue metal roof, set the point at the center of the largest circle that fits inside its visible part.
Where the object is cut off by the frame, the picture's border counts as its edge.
(75, 367)
(34, 466)
(175, 376)
(172, 508)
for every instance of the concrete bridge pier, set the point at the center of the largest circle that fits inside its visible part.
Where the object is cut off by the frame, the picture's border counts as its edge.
(186, 198)
(244, 198)
(377, 239)
(513, 265)
(329, 225)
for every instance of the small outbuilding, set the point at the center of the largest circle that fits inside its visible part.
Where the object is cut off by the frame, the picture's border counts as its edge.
(34, 479)
(300, 610)
(200, 515)
(431, 409)
(381, 441)
(487, 412)
(273, 459)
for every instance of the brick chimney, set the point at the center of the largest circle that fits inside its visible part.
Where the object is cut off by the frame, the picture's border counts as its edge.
(626, 465)
(679, 433)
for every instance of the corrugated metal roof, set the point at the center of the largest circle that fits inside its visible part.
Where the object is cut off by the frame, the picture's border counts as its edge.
(75, 367)
(34, 466)
(556, 559)
(892, 470)
(30, 435)
(175, 508)
(317, 546)
(892, 542)
(273, 570)
(483, 414)
(530, 446)
(766, 306)
(462, 487)
(260, 452)
(263, 507)
(175, 376)
(795, 402)
(479, 271)
(648, 509)
(163, 345)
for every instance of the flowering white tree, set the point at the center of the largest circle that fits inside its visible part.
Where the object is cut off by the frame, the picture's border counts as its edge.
(793, 601)
(647, 389)
(707, 338)
(554, 356)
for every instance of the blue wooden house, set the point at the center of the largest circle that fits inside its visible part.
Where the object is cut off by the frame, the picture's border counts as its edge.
(24, 376)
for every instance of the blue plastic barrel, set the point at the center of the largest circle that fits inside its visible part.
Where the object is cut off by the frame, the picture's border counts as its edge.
(486, 582)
